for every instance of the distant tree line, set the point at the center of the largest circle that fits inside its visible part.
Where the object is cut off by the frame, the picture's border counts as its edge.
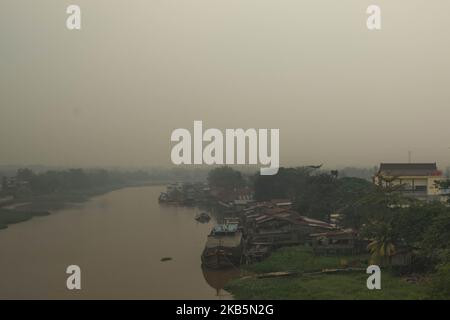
(225, 178)
(27, 182)
(71, 179)
(47, 181)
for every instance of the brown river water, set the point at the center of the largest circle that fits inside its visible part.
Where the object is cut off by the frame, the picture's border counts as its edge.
(118, 240)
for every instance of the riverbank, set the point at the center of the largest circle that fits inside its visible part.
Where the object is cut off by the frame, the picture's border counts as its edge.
(307, 283)
(34, 206)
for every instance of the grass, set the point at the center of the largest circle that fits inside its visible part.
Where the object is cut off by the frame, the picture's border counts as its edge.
(343, 286)
(300, 258)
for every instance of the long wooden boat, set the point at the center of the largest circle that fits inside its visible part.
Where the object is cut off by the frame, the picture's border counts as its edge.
(223, 247)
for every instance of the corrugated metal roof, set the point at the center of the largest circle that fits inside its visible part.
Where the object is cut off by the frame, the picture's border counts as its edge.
(225, 228)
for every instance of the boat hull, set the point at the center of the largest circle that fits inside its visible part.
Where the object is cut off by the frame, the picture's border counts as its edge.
(219, 258)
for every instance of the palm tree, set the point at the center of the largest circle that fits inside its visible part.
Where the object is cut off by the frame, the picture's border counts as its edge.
(381, 249)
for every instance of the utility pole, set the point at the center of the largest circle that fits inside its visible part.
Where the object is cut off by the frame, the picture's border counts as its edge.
(409, 156)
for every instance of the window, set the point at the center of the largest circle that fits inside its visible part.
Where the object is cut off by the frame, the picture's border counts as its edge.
(421, 188)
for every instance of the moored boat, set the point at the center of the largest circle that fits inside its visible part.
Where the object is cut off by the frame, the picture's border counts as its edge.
(202, 217)
(223, 247)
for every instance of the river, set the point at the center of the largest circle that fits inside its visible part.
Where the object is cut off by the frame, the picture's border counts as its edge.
(118, 240)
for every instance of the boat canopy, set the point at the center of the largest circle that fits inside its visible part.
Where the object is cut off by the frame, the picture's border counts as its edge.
(225, 228)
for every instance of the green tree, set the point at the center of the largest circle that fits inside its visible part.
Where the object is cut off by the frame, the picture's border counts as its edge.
(381, 250)
(410, 224)
(226, 178)
(436, 239)
(316, 193)
(444, 185)
(25, 175)
(440, 283)
(285, 184)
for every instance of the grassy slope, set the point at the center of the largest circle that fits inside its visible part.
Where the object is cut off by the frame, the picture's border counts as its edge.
(327, 286)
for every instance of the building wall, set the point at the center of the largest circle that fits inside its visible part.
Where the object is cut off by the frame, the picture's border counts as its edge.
(419, 182)
(432, 189)
(412, 183)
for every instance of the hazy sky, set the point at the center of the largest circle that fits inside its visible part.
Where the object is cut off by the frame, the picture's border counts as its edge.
(112, 93)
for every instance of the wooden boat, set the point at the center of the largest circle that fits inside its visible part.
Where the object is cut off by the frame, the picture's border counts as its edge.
(202, 217)
(223, 247)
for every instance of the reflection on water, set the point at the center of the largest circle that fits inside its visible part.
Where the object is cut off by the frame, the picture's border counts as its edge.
(118, 240)
(217, 279)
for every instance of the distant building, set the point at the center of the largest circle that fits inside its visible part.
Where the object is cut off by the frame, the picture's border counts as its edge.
(238, 196)
(9, 183)
(6, 200)
(418, 180)
(338, 242)
(269, 224)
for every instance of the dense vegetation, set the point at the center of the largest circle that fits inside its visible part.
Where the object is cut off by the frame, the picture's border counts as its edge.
(48, 180)
(382, 215)
(74, 179)
(316, 194)
(225, 178)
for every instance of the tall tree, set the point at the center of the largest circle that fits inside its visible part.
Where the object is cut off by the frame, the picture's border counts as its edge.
(226, 178)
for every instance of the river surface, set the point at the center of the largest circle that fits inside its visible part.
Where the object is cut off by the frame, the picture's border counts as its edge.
(118, 240)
